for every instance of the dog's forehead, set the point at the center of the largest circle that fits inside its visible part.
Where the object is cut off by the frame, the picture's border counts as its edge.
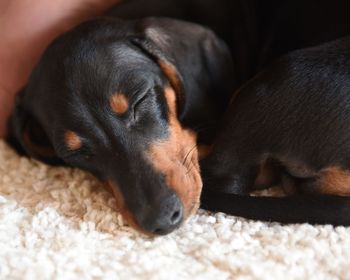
(96, 55)
(116, 67)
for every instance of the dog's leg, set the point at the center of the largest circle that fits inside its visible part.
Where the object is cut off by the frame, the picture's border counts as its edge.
(330, 181)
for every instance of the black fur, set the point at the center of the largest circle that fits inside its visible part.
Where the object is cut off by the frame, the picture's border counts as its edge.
(71, 87)
(293, 113)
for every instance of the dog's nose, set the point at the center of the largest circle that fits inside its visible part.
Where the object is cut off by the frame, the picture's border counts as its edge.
(165, 216)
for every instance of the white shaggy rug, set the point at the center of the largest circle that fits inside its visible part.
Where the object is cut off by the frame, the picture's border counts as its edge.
(59, 223)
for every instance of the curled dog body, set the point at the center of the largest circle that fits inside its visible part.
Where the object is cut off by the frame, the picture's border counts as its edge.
(113, 97)
(289, 126)
(130, 100)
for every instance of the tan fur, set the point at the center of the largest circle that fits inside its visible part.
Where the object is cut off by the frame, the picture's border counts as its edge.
(334, 180)
(172, 75)
(177, 158)
(203, 151)
(72, 140)
(119, 103)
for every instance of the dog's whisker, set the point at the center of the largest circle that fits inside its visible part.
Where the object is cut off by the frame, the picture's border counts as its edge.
(188, 153)
(189, 169)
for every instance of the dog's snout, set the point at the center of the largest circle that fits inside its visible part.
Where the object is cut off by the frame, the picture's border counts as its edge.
(165, 216)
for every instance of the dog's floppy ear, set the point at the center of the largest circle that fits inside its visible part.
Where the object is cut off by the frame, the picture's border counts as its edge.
(28, 137)
(165, 62)
(192, 57)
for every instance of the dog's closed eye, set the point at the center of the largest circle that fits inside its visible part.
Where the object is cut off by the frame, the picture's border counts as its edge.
(138, 103)
(85, 153)
(82, 153)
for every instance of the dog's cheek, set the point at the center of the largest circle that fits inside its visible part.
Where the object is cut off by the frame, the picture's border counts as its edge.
(190, 186)
(122, 207)
(187, 183)
(177, 158)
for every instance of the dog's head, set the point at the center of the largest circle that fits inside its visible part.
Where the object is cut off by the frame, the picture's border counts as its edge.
(107, 97)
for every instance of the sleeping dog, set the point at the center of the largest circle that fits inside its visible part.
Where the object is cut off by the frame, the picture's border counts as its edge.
(130, 101)
(122, 99)
(290, 126)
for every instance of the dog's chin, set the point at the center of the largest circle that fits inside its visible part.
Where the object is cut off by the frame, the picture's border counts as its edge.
(189, 196)
(128, 217)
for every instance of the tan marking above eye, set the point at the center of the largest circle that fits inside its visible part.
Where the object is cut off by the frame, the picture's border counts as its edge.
(72, 140)
(119, 103)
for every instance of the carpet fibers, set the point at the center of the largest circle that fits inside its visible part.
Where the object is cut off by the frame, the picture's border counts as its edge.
(60, 223)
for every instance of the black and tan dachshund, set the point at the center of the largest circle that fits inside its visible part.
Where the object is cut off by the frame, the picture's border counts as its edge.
(131, 101)
(112, 97)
